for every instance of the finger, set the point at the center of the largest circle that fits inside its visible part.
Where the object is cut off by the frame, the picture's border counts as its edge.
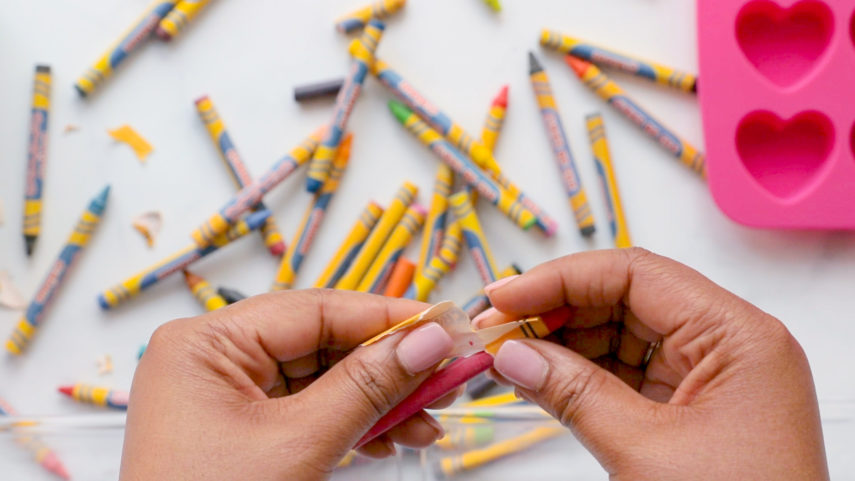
(580, 318)
(379, 448)
(631, 349)
(656, 391)
(606, 415)
(302, 366)
(593, 342)
(448, 399)
(630, 375)
(418, 431)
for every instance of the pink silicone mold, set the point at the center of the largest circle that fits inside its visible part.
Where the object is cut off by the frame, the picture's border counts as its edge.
(777, 93)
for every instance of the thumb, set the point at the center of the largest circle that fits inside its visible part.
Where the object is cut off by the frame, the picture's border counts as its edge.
(606, 415)
(344, 403)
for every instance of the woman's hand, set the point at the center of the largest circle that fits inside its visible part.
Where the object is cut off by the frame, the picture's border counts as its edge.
(728, 393)
(246, 392)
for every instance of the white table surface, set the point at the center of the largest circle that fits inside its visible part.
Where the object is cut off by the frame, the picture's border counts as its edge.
(248, 56)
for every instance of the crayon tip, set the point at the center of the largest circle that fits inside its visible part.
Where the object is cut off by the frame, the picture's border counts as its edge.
(516, 267)
(400, 111)
(102, 301)
(141, 351)
(588, 231)
(43, 68)
(419, 208)
(533, 65)
(80, 91)
(67, 390)
(230, 295)
(277, 249)
(30, 243)
(201, 99)
(191, 279)
(313, 185)
(577, 64)
(695, 87)
(501, 100)
(105, 192)
(163, 34)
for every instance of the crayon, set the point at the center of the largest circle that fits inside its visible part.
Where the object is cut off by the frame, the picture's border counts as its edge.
(479, 386)
(498, 400)
(250, 195)
(42, 454)
(480, 302)
(99, 396)
(608, 180)
(351, 245)
(437, 213)
(362, 51)
(237, 168)
(495, 119)
(474, 236)
(465, 437)
(230, 295)
(494, 4)
(454, 133)
(401, 277)
(141, 351)
(378, 273)
(487, 187)
(439, 265)
(461, 370)
(32, 318)
(561, 148)
(308, 228)
(204, 292)
(178, 18)
(357, 19)
(375, 241)
(128, 42)
(36, 157)
(318, 89)
(656, 72)
(612, 93)
(141, 281)
(452, 465)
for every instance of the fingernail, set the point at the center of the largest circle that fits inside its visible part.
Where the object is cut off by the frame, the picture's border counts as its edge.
(432, 422)
(479, 319)
(424, 347)
(521, 365)
(489, 288)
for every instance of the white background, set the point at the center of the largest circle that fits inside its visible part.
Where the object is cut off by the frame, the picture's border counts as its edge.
(248, 56)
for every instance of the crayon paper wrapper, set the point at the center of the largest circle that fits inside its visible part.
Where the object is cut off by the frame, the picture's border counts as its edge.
(457, 324)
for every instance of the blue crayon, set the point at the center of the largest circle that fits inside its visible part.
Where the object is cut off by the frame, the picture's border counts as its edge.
(27, 325)
(177, 262)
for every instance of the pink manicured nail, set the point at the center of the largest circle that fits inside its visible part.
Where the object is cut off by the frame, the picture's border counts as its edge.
(489, 288)
(479, 319)
(424, 347)
(521, 365)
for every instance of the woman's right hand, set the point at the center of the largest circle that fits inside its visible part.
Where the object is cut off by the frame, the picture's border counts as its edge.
(728, 393)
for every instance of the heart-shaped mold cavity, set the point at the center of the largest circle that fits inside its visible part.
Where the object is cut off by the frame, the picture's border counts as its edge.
(784, 156)
(784, 44)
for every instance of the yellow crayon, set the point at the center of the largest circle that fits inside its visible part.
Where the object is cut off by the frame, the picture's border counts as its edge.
(656, 72)
(437, 213)
(97, 395)
(608, 179)
(403, 198)
(36, 156)
(358, 19)
(128, 42)
(179, 17)
(439, 265)
(305, 234)
(497, 400)
(474, 235)
(479, 457)
(376, 276)
(351, 245)
(204, 292)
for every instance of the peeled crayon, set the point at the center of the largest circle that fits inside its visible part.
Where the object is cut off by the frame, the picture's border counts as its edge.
(362, 51)
(179, 17)
(608, 179)
(400, 278)
(251, 195)
(129, 41)
(308, 229)
(611, 92)
(237, 168)
(179, 261)
(656, 72)
(204, 292)
(350, 246)
(561, 148)
(378, 273)
(42, 454)
(37, 156)
(32, 319)
(99, 396)
(357, 19)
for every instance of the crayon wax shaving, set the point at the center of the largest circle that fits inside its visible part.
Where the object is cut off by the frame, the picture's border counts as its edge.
(10, 296)
(70, 128)
(105, 364)
(148, 224)
(129, 136)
